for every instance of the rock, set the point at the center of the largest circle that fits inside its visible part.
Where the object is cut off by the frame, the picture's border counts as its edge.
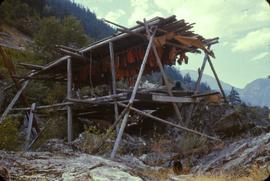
(157, 159)
(55, 145)
(241, 154)
(62, 166)
(232, 124)
(111, 174)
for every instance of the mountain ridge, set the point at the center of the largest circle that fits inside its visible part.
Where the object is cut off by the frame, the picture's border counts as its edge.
(255, 93)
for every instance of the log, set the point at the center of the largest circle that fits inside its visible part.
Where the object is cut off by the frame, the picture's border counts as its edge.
(162, 98)
(113, 79)
(98, 99)
(14, 100)
(124, 121)
(69, 96)
(73, 54)
(217, 79)
(119, 36)
(44, 107)
(30, 123)
(168, 123)
(176, 109)
(198, 82)
(31, 66)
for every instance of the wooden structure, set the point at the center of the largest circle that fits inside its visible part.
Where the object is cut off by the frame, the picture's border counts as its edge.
(128, 54)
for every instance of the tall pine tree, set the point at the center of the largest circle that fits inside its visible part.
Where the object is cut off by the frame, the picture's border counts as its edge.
(234, 97)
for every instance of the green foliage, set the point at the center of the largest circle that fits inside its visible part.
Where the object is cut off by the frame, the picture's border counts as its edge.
(53, 32)
(10, 138)
(20, 15)
(73, 34)
(57, 93)
(55, 127)
(234, 97)
(93, 137)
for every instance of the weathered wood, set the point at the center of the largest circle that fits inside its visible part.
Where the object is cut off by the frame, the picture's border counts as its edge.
(30, 123)
(73, 54)
(69, 96)
(119, 36)
(67, 48)
(198, 82)
(44, 107)
(99, 99)
(109, 131)
(113, 79)
(31, 66)
(124, 121)
(162, 98)
(14, 100)
(41, 78)
(217, 79)
(176, 109)
(167, 122)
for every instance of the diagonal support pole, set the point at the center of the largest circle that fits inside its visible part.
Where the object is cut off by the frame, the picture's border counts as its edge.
(217, 79)
(14, 100)
(198, 82)
(176, 108)
(125, 119)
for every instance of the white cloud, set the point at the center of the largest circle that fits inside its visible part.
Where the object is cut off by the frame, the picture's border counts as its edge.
(260, 56)
(219, 18)
(140, 11)
(258, 39)
(114, 15)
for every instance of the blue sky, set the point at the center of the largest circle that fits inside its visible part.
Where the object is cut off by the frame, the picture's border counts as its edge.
(243, 26)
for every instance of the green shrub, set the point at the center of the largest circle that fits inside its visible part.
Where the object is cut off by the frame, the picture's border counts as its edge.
(10, 137)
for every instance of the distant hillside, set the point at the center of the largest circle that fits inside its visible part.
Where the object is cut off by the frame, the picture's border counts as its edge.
(257, 92)
(93, 27)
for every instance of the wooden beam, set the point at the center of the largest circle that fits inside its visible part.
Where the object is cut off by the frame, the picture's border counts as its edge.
(217, 79)
(162, 98)
(73, 54)
(113, 80)
(14, 100)
(118, 36)
(69, 96)
(198, 82)
(31, 66)
(125, 119)
(30, 123)
(44, 107)
(168, 123)
(98, 99)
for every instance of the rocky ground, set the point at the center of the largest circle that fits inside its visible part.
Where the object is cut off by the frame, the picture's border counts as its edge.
(169, 154)
(62, 162)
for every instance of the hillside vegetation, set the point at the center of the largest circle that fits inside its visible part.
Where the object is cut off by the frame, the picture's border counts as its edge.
(29, 31)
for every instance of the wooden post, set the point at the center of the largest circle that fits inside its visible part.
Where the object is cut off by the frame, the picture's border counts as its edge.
(14, 100)
(176, 109)
(30, 123)
(69, 96)
(124, 121)
(198, 82)
(113, 80)
(217, 79)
